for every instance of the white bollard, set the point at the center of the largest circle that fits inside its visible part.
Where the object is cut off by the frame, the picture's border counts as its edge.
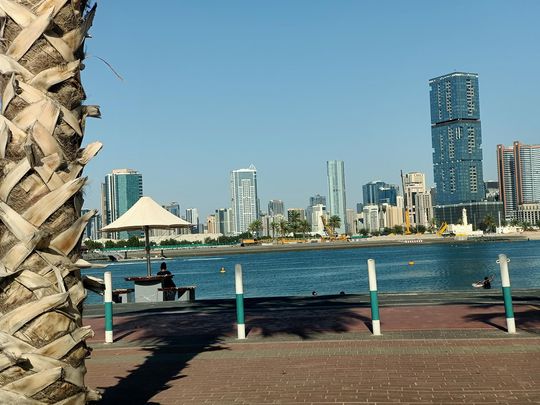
(108, 308)
(507, 294)
(372, 277)
(240, 321)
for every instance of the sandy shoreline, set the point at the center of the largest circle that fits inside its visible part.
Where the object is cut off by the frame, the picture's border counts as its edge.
(361, 243)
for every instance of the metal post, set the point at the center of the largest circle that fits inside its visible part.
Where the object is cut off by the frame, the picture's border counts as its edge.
(108, 308)
(507, 294)
(372, 276)
(147, 249)
(239, 302)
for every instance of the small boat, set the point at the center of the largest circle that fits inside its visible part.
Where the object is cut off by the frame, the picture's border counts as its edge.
(222, 270)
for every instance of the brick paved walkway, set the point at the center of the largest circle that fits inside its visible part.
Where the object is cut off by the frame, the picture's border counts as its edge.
(427, 354)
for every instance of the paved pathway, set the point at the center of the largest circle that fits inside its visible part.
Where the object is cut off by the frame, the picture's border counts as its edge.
(321, 354)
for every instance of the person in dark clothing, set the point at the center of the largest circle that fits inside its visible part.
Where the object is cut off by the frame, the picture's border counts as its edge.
(487, 283)
(166, 282)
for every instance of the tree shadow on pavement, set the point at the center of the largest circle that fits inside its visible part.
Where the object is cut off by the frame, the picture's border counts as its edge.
(172, 340)
(526, 319)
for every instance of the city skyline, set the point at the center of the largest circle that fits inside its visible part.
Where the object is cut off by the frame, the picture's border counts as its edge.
(296, 85)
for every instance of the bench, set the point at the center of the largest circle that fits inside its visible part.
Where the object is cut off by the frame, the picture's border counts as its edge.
(117, 295)
(185, 293)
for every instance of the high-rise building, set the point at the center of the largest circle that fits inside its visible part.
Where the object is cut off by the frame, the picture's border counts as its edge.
(244, 198)
(337, 203)
(519, 176)
(423, 209)
(211, 224)
(418, 203)
(122, 188)
(317, 211)
(299, 211)
(527, 158)
(456, 138)
(390, 216)
(313, 212)
(317, 199)
(192, 216)
(92, 229)
(224, 223)
(276, 207)
(350, 225)
(371, 218)
(506, 172)
(378, 192)
(173, 208)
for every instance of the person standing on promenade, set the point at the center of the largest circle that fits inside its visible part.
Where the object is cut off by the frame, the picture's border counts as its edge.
(166, 282)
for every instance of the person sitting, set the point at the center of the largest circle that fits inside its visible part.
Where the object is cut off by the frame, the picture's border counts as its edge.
(166, 282)
(486, 283)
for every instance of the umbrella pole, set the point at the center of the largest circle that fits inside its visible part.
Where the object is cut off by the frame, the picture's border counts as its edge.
(147, 247)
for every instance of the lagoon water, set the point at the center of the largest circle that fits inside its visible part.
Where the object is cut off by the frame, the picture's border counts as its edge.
(437, 267)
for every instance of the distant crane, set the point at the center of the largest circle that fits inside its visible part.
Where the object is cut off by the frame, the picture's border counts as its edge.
(443, 228)
(329, 230)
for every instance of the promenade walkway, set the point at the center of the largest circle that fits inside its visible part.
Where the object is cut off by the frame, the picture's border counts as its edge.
(435, 348)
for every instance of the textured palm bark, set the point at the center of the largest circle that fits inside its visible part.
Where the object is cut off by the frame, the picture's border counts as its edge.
(42, 339)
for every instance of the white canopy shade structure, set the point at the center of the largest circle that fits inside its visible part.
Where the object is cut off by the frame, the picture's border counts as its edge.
(146, 214)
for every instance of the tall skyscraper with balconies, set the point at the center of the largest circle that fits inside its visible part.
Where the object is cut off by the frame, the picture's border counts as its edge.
(122, 188)
(417, 199)
(519, 176)
(506, 172)
(337, 203)
(456, 138)
(244, 198)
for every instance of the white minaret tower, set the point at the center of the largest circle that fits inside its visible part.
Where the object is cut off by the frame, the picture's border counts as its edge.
(464, 217)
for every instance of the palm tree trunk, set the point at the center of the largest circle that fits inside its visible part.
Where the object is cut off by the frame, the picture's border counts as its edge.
(42, 121)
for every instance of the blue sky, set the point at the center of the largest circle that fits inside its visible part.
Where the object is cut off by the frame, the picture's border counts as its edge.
(212, 86)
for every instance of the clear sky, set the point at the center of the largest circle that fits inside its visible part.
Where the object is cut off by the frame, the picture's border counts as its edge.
(211, 86)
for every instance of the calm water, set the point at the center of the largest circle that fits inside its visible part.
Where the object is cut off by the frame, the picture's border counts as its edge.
(436, 268)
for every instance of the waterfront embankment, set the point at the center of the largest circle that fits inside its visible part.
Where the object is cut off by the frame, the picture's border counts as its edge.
(379, 241)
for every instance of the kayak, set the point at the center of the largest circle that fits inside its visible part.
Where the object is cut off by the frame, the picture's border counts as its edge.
(480, 284)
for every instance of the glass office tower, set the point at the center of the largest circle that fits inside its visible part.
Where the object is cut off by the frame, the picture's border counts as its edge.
(120, 191)
(378, 192)
(456, 138)
(336, 192)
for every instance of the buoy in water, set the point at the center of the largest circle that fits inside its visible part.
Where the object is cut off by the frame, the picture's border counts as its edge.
(411, 263)
(222, 270)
